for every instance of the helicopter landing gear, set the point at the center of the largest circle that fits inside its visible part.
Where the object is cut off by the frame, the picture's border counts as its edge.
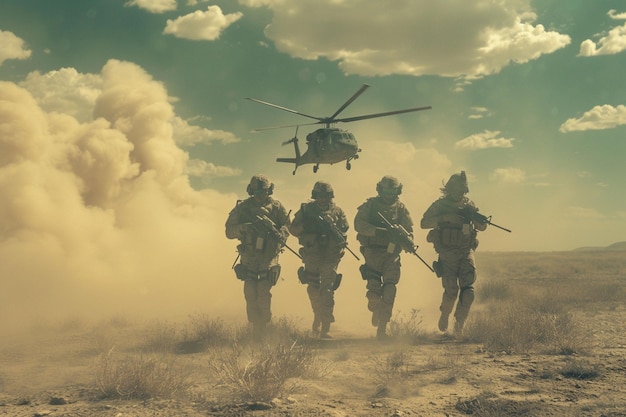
(348, 165)
(316, 167)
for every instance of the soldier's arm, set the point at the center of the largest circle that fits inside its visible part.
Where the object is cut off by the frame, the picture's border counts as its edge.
(342, 222)
(361, 223)
(430, 219)
(478, 225)
(234, 228)
(405, 220)
(283, 222)
(297, 226)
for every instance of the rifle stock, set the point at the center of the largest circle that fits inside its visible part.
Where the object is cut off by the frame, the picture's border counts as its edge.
(331, 228)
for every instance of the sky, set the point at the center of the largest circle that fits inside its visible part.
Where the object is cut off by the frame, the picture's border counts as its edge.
(125, 136)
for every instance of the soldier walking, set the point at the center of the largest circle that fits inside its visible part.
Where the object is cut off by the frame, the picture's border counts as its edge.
(382, 257)
(321, 228)
(261, 225)
(454, 236)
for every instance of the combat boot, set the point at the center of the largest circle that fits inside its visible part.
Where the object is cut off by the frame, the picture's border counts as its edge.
(258, 331)
(443, 322)
(381, 332)
(375, 318)
(458, 329)
(325, 329)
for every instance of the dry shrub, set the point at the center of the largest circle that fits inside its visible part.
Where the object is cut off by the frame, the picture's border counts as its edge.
(263, 375)
(519, 328)
(390, 370)
(138, 376)
(580, 369)
(494, 290)
(407, 327)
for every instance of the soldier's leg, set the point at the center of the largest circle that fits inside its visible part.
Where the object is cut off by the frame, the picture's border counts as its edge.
(264, 300)
(391, 277)
(374, 298)
(371, 272)
(250, 294)
(328, 275)
(467, 278)
(313, 291)
(449, 281)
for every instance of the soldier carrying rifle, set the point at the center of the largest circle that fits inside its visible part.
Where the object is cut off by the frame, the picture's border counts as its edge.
(455, 223)
(261, 225)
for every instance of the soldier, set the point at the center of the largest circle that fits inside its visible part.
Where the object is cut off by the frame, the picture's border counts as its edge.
(382, 258)
(454, 238)
(259, 248)
(321, 228)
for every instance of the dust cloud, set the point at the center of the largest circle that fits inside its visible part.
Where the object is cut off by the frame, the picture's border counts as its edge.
(98, 217)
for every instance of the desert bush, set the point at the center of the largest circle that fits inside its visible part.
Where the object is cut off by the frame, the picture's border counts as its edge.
(580, 369)
(138, 376)
(390, 369)
(407, 327)
(161, 337)
(520, 328)
(494, 290)
(263, 375)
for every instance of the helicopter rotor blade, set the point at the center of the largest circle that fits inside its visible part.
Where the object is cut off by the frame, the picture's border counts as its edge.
(361, 90)
(282, 108)
(389, 113)
(260, 129)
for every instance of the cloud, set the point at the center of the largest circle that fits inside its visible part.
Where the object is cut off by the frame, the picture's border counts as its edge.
(598, 118)
(12, 47)
(613, 14)
(508, 175)
(205, 26)
(207, 170)
(190, 135)
(613, 43)
(98, 216)
(65, 91)
(583, 213)
(487, 139)
(478, 113)
(462, 39)
(153, 6)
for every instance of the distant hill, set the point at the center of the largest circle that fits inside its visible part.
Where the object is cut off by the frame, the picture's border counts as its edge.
(618, 246)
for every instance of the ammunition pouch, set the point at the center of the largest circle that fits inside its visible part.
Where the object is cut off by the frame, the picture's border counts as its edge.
(368, 273)
(438, 268)
(337, 282)
(306, 277)
(244, 274)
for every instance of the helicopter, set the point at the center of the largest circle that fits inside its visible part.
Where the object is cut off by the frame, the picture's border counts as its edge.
(327, 145)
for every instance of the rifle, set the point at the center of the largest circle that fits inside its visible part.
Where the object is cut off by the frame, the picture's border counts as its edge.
(470, 213)
(329, 226)
(265, 225)
(401, 237)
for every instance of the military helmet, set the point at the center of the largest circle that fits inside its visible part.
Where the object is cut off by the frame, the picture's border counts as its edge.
(389, 182)
(259, 183)
(320, 188)
(458, 181)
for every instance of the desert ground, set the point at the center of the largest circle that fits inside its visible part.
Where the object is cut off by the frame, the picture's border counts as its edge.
(546, 338)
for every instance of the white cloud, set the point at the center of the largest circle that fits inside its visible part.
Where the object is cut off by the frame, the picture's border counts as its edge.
(65, 91)
(200, 25)
(484, 140)
(154, 6)
(458, 39)
(598, 118)
(12, 47)
(613, 43)
(478, 113)
(190, 135)
(613, 14)
(508, 175)
(207, 170)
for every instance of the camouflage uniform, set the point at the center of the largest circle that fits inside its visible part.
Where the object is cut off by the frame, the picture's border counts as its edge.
(382, 258)
(454, 239)
(258, 267)
(321, 253)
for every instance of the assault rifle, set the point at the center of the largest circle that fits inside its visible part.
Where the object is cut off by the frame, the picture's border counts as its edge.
(399, 235)
(265, 225)
(331, 229)
(471, 213)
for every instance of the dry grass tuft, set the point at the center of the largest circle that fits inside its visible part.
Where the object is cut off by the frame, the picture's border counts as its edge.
(138, 376)
(407, 327)
(261, 375)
